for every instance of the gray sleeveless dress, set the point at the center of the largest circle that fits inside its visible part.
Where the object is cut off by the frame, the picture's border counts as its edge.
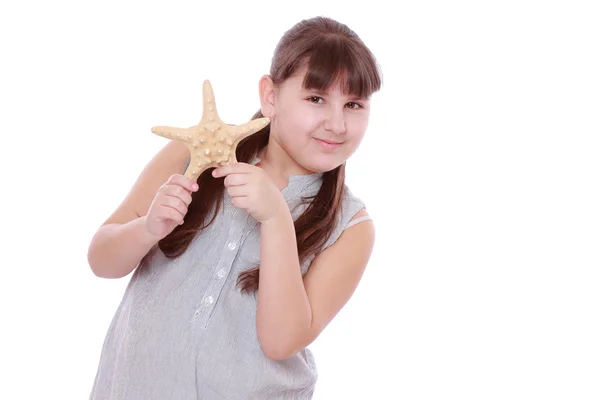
(184, 331)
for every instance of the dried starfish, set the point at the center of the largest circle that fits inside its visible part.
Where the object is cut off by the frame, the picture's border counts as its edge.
(212, 142)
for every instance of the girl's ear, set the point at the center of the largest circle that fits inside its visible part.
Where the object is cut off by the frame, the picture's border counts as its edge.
(267, 96)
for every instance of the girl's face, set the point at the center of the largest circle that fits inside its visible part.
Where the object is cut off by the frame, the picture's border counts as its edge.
(317, 130)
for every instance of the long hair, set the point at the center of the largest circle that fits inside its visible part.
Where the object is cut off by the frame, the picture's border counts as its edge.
(333, 53)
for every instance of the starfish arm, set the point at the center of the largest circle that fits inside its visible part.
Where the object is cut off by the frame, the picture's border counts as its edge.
(239, 132)
(196, 167)
(209, 107)
(170, 132)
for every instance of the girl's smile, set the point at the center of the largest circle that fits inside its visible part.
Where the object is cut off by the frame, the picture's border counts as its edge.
(328, 145)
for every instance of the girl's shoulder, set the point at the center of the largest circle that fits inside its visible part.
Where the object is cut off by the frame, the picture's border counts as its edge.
(352, 212)
(351, 205)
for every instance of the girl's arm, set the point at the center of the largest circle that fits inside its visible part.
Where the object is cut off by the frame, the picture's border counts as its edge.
(122, 240)
(292, 311)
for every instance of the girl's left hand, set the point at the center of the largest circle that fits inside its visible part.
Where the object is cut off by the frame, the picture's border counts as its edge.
(252, 189)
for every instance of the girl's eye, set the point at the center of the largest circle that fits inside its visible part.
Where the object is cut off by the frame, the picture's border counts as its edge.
(316, 99)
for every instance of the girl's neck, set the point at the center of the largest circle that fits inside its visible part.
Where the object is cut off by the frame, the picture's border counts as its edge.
(279, 165)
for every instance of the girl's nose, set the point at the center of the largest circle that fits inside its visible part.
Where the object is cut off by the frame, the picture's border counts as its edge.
(335, 122)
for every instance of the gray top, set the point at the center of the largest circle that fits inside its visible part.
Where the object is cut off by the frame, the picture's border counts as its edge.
(184, 331)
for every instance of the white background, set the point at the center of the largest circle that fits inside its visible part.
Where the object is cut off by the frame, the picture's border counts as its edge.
(481, 168)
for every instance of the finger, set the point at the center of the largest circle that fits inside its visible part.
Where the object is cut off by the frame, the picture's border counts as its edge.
(240, 202)
(236, 179)
(167, 213)
(183, 181)
(176, 204)
(237, 191)
(238, 168)
(179, 192)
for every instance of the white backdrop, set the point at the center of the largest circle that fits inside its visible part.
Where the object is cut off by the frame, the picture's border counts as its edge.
(480, 167)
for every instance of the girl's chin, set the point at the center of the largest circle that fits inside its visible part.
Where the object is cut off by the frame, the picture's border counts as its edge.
(323, 164)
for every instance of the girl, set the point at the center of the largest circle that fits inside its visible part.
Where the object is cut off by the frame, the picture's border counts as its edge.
(198, 320)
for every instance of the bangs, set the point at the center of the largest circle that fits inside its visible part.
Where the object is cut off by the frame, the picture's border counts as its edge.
(336, 60)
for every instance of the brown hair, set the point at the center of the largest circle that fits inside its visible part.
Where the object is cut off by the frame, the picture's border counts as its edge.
(333, 53)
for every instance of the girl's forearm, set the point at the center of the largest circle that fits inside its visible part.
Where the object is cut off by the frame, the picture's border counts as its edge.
(284, 313)
(116, 249)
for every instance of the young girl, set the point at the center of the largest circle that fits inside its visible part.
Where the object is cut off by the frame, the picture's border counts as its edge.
(198, 320)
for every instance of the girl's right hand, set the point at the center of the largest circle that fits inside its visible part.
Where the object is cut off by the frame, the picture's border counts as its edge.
(170, 205)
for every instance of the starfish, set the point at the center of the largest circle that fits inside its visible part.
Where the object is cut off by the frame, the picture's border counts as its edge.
(211, 142)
